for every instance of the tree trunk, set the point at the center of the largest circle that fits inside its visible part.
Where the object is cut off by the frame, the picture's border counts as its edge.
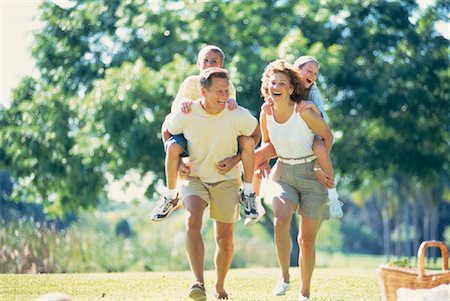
(415, 217)
(386, 230)
(406, 217)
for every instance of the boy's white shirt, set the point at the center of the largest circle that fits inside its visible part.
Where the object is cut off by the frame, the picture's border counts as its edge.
(190, 90)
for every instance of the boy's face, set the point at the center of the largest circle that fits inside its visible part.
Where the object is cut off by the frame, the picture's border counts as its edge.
(217, 94)
(308, 74)
(209, 59)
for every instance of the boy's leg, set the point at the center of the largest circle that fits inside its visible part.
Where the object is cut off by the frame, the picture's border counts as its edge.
(262, 155)
(323, 166)
(247, 145)
(175, 148)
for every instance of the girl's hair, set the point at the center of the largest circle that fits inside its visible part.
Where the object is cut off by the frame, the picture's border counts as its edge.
(299, 92)
(304, 59)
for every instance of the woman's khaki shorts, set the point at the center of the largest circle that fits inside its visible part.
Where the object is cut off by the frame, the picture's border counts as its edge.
(298, 184)
(222, 197)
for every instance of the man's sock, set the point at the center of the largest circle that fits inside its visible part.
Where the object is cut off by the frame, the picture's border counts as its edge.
(248, 188)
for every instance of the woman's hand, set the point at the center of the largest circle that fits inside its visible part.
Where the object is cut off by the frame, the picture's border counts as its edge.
(267, 108)
(324, 178)
(306, 104)
(262, 170)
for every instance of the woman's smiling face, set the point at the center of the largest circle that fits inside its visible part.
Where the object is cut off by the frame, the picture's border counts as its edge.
(279, 86)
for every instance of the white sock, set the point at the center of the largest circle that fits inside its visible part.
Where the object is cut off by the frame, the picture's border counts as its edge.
(171, 193)
(248, 188)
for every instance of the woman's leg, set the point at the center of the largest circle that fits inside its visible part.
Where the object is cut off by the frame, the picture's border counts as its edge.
(283, 211)
(307, 258)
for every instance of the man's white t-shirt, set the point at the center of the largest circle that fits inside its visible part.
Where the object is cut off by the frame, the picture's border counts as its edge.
(211, 138)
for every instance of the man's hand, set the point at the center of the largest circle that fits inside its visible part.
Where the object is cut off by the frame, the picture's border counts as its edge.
(184, 170)
(232, 104)
(267, 108)
(226, 165)
(306, 104)
(186, 106)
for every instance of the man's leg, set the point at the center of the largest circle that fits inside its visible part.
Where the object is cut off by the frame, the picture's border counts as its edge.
(223, 256)
(195, 249)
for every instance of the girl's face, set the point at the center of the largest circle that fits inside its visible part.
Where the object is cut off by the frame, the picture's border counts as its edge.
(279, 87)
(308, 74)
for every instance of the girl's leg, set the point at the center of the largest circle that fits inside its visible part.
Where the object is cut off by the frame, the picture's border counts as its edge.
(325, 176)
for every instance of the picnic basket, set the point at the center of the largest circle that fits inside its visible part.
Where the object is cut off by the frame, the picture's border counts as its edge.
(391, 278)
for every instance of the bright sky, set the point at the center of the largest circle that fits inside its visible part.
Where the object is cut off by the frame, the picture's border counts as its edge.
(16, 40)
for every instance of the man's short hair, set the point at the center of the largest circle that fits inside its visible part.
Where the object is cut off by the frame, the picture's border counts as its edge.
(208, 74)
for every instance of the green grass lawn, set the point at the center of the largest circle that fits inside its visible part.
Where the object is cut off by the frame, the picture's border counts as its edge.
(355, 282)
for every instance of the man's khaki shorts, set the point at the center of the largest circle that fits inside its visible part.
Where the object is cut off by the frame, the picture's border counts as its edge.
(222, 197)
(298, 184)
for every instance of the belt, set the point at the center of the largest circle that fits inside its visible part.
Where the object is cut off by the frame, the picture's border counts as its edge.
(301, 160)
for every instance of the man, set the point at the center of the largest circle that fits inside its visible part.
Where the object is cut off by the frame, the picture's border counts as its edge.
(211, 131)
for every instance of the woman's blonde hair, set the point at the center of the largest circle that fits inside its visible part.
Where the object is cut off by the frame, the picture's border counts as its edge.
(299, 92)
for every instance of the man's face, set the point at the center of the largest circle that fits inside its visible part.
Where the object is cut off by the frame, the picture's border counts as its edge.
(209, 59)
(217, 95)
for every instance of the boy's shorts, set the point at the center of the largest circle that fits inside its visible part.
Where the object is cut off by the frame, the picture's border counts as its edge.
(180, 140)
(298, 184)
(222, 197)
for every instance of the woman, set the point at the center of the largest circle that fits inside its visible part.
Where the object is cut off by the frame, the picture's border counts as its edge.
(294, 186)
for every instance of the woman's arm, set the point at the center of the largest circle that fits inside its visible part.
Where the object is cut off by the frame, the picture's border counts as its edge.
(317, 124)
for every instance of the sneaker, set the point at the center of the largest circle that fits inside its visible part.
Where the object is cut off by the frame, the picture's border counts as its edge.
(303, 298)
(261, 212)
(281, 288)
(248, 201)
(334, 204)
(163, 209)
(197, 292)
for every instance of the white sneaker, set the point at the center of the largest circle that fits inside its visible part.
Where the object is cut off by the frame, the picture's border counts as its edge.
(281, 288)
(303, 298)
(261, 212)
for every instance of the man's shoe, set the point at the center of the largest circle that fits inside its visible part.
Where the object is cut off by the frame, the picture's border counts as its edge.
(163, 209)
(261, 212)
(281, 288)
(248, 201)
(197, 292)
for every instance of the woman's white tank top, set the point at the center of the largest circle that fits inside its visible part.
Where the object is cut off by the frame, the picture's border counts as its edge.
(291, 139)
